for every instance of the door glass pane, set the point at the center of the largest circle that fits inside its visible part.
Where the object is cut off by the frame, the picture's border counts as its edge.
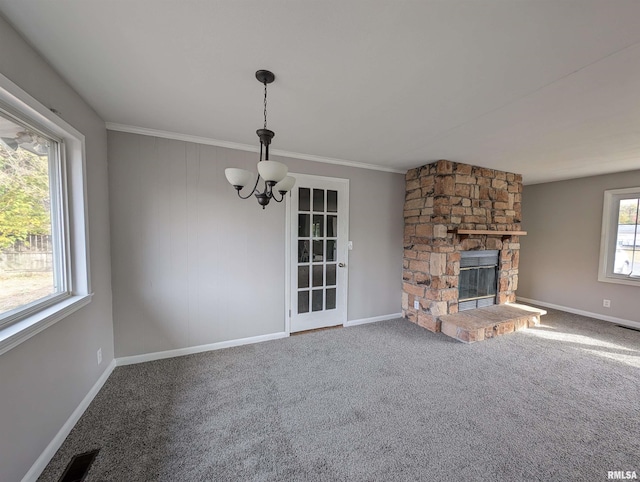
(316, 302)
(331, 250)
(331, 274)
(332, 201)
(318, 200)
(332, 226)
(303, 276)
(317, 251)
(331, 299)
(318, 225)
(304, 193)
(317, 275)
(303, 302)
(303, 251)
(303, 225)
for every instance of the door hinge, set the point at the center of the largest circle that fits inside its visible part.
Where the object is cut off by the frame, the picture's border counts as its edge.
(289, 313)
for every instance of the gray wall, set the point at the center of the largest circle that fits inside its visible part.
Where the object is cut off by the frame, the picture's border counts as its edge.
(44, 379)
(560, 255)
(193, 264)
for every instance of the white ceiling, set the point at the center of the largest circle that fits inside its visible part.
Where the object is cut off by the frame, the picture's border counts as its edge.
(549, 89)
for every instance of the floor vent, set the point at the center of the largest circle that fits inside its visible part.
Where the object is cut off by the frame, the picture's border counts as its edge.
(628, 328)
(79, 467)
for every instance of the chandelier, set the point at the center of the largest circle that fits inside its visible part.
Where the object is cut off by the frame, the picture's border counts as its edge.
(273, 174)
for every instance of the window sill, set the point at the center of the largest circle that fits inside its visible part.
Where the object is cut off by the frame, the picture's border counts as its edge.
(621, 281)
(14, 334)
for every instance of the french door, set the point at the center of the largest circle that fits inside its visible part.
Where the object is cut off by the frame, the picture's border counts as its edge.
(318, 231)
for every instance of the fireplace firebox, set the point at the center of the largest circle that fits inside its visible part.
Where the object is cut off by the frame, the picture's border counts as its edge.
(478, 282)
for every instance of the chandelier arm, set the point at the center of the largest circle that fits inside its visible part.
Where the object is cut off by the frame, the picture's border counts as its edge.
(255, 187)
(281, 198)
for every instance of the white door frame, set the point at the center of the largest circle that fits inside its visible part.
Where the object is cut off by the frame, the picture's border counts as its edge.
(288, 247)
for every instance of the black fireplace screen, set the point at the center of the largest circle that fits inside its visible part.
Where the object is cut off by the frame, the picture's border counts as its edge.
(478, 282)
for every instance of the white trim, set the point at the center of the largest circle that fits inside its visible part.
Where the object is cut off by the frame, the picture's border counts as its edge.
(312, 178)
(24, 102)
(635, 281)
(27, 322)
(608, 237)
(112, 126)
(45, 457)
(598, 316)
(160, 355)
(14, 334)
(318, 321)
(373, 319)
(287, 264)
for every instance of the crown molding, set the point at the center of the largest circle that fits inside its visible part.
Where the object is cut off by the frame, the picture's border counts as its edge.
(112, 126)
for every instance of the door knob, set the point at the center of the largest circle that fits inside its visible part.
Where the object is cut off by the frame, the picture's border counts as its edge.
(342, 265)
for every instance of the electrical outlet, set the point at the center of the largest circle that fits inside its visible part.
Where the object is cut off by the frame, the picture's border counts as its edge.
(416, 305)
(606, 303)
(99, 355)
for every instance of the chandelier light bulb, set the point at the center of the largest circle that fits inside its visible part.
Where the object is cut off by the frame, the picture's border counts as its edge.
(272, 171)
(238, 177)
(285, 185)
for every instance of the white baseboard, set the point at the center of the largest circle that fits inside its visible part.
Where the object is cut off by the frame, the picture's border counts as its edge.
(41, 463)
(159, 355)
(362, 321)
(598, 316)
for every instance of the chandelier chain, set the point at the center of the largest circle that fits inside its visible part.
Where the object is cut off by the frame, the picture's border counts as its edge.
(265, 105)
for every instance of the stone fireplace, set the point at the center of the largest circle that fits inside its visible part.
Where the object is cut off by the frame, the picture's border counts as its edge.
(451, 208)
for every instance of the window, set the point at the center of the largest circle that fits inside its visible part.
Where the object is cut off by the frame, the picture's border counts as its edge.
(31, 236)
(620, 244)
(44, 270)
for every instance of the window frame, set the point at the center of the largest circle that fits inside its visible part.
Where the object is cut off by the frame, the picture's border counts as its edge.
(59, 227)
(71, 214)
(610, 212)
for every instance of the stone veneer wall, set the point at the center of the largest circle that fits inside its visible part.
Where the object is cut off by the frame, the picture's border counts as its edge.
(443, 196)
